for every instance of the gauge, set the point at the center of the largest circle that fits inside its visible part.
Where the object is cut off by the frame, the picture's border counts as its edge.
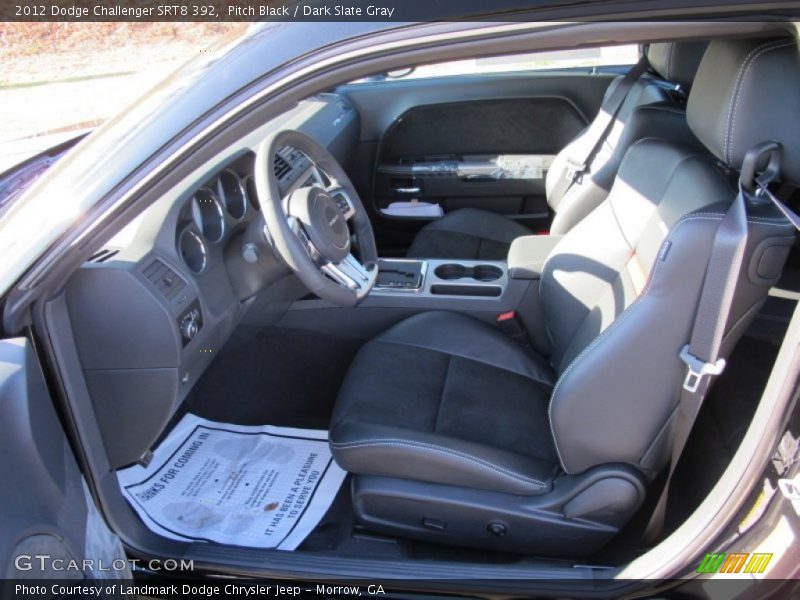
(207, 214)
(193, 251)
(233, 194)
(252, 194)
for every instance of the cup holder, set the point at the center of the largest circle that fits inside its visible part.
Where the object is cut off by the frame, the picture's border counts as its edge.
(487, 273)
(451, 271)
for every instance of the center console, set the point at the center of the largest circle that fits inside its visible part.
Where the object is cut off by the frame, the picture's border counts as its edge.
(482, 288)
(441, 278)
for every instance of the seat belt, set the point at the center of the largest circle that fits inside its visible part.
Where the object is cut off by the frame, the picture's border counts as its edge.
(578, 161)
(701, 354)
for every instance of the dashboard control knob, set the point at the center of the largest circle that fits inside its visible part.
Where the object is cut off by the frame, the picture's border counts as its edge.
(189, 327)
(250, 252)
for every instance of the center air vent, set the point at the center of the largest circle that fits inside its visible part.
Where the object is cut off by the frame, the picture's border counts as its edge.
(168, 283)
(281, 167)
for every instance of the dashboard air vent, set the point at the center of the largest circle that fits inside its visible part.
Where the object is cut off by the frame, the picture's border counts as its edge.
(281, 166)
(103, 255)
(164, 279)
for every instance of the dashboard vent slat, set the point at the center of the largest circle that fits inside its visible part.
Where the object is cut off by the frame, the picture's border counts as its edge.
(103, 255)
(168, 283)
(281, 167)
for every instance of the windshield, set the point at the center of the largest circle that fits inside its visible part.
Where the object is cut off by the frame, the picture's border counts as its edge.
(59, 79)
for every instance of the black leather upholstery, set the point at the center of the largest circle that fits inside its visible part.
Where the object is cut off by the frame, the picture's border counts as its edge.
(467, 233)
(447, 399)
(648, 111)
(749, 93)
(676, 61)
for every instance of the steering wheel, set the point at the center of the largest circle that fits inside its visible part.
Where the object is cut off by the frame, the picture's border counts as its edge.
(310, 225)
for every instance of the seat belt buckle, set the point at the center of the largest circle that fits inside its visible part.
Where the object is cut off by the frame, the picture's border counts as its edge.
(697, 369)
(575, 171)
(510, 324)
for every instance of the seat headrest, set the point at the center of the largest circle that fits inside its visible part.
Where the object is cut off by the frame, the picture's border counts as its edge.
(746, 92)
(676, 62)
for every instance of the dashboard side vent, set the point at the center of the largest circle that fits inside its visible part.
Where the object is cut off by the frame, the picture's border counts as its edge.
(165, 280)
(281, 167)
(103, 255)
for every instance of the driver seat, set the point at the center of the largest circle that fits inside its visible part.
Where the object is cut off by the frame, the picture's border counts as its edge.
(457, 434)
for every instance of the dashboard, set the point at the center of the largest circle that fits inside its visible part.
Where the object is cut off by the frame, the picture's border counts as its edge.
(212, 211)
(151, 309)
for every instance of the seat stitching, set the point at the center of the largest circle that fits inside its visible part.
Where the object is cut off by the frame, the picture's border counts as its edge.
(614, 325)
(389, 442)
(744, 79)
(615, 216)
(441, 394)
(727, 125)
(706, 216)
(737, 87)
(543, 280)
(502, 368)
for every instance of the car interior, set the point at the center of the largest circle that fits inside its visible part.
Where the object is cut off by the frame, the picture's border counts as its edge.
(477, 283)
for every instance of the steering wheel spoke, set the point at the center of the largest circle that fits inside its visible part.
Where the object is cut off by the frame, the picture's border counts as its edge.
(350, 273)
(297, 229)
(336, 191)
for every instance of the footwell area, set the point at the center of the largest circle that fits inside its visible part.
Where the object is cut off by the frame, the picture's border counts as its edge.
(274, 375)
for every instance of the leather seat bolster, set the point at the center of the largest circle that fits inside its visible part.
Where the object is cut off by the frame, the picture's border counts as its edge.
(456, 334)
(374, 449)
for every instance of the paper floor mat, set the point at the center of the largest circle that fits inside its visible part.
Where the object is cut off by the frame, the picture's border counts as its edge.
(256, 486)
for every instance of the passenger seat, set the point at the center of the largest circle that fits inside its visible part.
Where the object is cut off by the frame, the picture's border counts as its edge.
(652, 108)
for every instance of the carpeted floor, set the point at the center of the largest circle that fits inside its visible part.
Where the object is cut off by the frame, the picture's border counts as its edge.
(276, 376)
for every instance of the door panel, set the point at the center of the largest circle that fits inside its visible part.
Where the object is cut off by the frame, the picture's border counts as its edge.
(48, 516)
(460, 143)
(482, 141)
(504, 126)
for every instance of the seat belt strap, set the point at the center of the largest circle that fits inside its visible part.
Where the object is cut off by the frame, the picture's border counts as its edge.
(701, 354)
(579, 158)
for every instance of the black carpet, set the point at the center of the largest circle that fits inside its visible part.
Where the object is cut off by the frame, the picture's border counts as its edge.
(274, 376)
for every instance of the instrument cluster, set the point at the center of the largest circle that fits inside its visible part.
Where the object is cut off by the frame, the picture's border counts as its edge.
(214, 212)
